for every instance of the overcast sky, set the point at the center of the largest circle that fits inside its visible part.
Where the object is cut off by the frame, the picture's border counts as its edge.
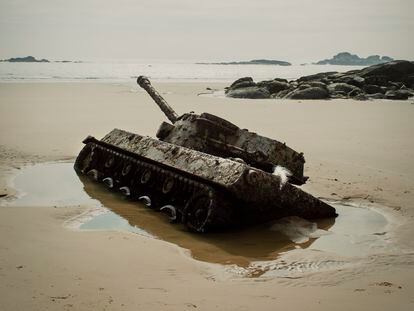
(292, 30)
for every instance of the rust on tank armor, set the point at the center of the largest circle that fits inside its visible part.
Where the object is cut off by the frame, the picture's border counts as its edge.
(211, 134)
(203, 171)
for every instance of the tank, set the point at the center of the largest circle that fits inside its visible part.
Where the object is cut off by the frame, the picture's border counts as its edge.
(194, 187)
(213, 135)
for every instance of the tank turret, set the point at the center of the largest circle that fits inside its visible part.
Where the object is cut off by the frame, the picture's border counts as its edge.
(216, 136)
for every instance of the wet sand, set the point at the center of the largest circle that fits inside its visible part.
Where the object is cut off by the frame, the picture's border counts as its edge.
(355, 151)
(359, 230)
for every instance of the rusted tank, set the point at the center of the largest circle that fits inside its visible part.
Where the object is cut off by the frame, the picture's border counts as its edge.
(200, 189)
(213, 135)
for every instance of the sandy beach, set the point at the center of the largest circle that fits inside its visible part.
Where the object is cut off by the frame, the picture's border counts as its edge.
(356, 152)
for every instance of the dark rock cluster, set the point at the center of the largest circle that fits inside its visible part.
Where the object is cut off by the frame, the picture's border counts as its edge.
(392, 80)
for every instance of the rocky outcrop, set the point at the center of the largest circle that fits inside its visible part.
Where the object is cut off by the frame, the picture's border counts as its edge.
(274, 86)
(396, 71)
(349, 59)
(374, 89)
(397, 95)
(342, 88)
(393, 80)
(242, 82)
(308, 93)
(317, 76)
(254, 92)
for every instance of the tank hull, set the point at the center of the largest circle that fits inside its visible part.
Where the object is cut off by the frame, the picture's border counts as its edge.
(201, 190)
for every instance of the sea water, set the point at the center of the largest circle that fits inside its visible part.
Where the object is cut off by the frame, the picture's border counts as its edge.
(162, 71)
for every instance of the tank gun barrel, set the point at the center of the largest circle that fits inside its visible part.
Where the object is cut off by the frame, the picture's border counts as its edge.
(145, 83)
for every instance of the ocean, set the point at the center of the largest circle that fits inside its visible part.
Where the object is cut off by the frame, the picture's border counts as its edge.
(167, 71)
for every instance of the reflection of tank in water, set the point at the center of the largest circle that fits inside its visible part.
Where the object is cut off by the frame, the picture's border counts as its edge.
(239, 247)
(192, 174)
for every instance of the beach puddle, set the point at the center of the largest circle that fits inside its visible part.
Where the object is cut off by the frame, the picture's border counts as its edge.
(357, 232)
(50, 184)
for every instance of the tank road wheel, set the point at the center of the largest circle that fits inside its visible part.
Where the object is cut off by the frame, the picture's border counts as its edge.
(109, 182)
(94, 174)
(198, 210)
(125, 190)
(171, 211)
(168, 185)
(84, 160)
(145, 177)
(146, 200)
(126, 169)
(125, 177)
(110, 162)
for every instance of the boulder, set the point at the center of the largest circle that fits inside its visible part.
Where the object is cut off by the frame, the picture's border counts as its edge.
(242, 84)
(316, 77)
(293, 84)
(397, 95)
(409, 81)
(361, 96)
(398, 70)
(352, 80)
(397, 85)
(308, 93)
(249, 79)
(274, 86)
(280, 80)
(339, 75)
(409, 92)
(377, 80)
(373, 89)
(355, 92)
(281, 94)
(391, 88)
(303, 86)
(342, 87)
(357, 81)
(339, 95)
(325, 80)
(317, 84)
(249, 92)
(376, 96)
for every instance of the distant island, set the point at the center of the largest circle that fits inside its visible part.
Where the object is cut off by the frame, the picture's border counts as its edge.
(31, 59)
(252, 62)
(27, 59)
(348, 59)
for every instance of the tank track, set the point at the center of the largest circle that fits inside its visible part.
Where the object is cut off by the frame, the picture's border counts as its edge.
(195, 203)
